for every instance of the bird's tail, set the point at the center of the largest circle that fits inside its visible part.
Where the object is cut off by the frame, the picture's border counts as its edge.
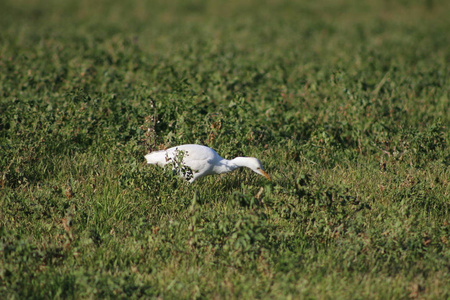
(156, 158)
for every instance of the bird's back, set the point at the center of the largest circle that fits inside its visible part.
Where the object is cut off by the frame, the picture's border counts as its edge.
(189, 152)
(193, 152)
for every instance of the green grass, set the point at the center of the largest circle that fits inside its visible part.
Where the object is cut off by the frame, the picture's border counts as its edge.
(346, 103)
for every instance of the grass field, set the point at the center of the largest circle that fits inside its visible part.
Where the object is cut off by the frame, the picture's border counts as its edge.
(345, 102)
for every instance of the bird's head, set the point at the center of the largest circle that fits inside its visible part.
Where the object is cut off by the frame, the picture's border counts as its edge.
(256, 166)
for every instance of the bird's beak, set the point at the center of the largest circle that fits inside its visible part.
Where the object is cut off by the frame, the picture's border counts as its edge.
(263, 173)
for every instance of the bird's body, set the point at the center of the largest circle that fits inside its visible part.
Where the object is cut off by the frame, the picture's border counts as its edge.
(201, 161)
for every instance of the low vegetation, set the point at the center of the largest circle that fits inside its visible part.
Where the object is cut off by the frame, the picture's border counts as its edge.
(346, 104)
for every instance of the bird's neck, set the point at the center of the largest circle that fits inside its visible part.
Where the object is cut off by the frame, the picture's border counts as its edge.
(238, 162)
(226, 165)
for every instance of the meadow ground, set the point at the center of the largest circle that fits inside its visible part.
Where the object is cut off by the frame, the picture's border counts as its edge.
(345, 102)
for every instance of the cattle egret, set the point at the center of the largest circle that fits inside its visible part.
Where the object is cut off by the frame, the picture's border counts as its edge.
(194, 161)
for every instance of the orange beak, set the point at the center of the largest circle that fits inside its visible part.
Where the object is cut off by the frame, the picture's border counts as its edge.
(265, 174)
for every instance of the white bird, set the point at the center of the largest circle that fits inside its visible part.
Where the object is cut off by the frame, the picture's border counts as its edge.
(195, 161)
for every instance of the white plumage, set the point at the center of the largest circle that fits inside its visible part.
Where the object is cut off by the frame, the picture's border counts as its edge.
(195, 161)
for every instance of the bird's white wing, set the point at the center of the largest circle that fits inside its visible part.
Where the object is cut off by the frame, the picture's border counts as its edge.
(196, 152)
(200, 159)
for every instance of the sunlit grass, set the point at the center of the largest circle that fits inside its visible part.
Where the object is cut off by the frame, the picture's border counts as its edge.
(346, 105)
